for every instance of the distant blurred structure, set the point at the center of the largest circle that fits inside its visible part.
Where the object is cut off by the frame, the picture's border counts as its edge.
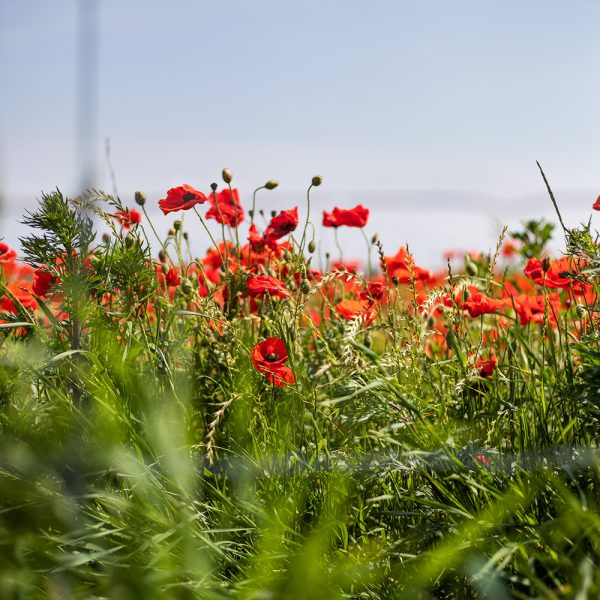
(87, 94)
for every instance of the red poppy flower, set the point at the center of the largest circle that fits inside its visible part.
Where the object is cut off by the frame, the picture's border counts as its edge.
(479, 304)
(596, 205)
(486, 367)
(181, 198)
(264, 284)
(533, 308)
(225, 207)
(375, 291)
(282, 224)
(255, 240)
(402, 266)
(23, 295)
(509, 248)
(7, 254)
(552, 278)
(128, 217)
(353, 309)
(42, 282)
(269, 358)
(168, 278)
(354, 217)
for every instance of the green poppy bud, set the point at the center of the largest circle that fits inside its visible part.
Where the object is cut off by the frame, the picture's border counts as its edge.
(317, 180)
(312, 246)
(271, 184)
(186, 286)
(305, 286)
(471, 268)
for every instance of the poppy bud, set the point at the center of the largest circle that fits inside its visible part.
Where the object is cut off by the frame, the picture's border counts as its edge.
(227, 176)
(305, 286)
(164, 269)
(546, 264)
(273, 213)
(312, 246)
(430, 323)
(374, 239)
(105, 238)
(261, 212)
(395, 280)
(368, 341)
(317, 180)
(162, 256)
(129, 241)
(186, 286)
(171, 232)
(186, 236)
(471, 268)
(271, 184)
(327, 255)
(176, 225)
(251, 213)
(140, 198)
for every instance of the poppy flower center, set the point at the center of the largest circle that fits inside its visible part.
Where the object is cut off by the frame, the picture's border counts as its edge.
(271, 357)
(188, 197)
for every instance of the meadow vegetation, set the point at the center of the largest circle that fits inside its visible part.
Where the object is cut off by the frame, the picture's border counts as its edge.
(254, 424)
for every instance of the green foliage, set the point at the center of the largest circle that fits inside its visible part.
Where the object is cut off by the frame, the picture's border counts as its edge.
(66, 231)
(144, 457)
(534, 237)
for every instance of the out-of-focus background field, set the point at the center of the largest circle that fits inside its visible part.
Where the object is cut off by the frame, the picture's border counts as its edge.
(432, 114)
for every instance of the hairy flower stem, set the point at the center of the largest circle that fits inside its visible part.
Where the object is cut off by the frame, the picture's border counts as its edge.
(237, 235)
(337, 243)
(369, 248)
(212, 239)
(303, 240)
(162, 245)
(226, 265)
(262, 187)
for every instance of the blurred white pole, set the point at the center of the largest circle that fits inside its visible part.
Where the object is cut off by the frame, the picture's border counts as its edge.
(87, 93)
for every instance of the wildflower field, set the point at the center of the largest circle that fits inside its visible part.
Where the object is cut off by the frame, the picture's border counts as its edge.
(258, 423)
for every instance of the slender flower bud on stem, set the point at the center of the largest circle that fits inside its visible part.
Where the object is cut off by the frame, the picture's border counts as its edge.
(270, 185)
(227, 176)
(317, 180)
(164, 249)
(140, 198)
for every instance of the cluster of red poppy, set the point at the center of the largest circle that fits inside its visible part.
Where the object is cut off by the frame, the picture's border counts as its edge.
(243, 280)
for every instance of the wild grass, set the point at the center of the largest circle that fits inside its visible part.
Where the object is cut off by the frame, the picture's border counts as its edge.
(143, 456)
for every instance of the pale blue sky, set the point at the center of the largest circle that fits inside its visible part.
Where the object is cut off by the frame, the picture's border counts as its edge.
(446, 95)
